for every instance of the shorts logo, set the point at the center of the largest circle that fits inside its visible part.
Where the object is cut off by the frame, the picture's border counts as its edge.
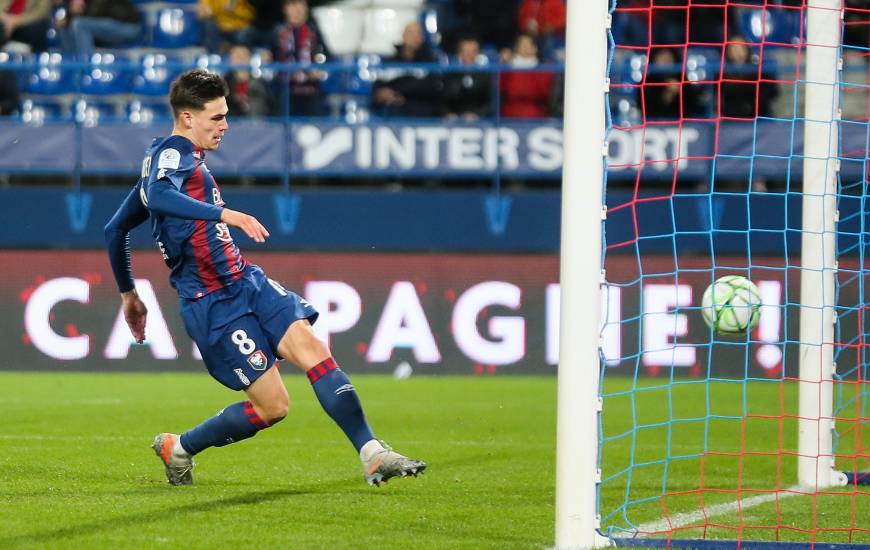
(343, 389)
(242, 377)
(257, 360)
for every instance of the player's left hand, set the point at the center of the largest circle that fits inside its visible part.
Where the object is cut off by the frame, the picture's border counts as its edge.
(135, 313)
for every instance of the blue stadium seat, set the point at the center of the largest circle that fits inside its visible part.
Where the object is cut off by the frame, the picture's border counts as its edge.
(21, 72)
(90, 113)
(50, 77)
(360, 82)
(147, 112)
(211, 62)
(37, 112)
(155, 74)
(109, 74)
(779, 25)
(174, 28)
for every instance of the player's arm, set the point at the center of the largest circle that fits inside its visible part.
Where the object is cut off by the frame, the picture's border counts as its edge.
(129, 215)
(165, 198)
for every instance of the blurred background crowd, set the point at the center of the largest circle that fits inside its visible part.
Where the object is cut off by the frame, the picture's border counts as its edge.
(675, 59)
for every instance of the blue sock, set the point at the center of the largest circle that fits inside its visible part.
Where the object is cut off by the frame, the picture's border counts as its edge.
(338, 398)
(236, 422)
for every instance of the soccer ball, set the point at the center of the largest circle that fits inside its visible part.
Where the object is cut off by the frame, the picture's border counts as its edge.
(731, 305)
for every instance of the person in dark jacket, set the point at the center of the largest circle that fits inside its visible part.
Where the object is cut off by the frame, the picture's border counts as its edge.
(468, 94)
(746, 91)
(262, 32)
(400, 92)
(249, 95)
(103, 22)
(299, 41)
(8, 93)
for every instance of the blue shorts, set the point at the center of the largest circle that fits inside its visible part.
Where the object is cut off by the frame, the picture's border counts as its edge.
(237, 328)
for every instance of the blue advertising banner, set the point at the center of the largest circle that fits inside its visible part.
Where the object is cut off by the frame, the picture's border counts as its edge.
(736, 150)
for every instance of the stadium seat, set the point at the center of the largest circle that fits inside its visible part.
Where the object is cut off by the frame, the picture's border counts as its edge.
(211, 62)
(50, 76)
(19, 59)
(156, 72)
(430, 19)
(109, 74)
(342, 28)
(37, 112)
(147, 112)
(174, 28)
(360, 81)
(92, 113)
(779, 25)
(383, 29)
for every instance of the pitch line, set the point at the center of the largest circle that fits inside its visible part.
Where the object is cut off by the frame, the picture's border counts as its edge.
(684, 519)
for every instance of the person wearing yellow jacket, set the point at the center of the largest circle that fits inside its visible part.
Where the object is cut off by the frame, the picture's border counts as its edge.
(221, 22)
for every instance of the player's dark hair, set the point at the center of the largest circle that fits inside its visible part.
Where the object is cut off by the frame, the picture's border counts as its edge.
(193, 89)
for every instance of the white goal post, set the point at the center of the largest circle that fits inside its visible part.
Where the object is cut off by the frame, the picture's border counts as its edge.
(580, 275)
(581, 272)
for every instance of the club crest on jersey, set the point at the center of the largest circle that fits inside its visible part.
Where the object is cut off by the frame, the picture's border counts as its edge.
(258, 360)
(169, 158)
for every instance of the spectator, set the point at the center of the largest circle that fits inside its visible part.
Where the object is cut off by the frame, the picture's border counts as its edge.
(299, 41)
(545, 20)
(8, 93)
(25, 21)
(107, 22)
(665, 94)
(222, 22)
(743, 94)
(262, 31)
(468, 94)
(525, 94)
(249, 95)
(406, 93)
(494, 21)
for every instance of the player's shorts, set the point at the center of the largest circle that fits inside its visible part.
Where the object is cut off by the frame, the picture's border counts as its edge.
(237, 329)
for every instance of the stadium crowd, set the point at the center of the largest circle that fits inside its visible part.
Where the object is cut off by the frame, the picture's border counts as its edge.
(468, 39)
(482, 58)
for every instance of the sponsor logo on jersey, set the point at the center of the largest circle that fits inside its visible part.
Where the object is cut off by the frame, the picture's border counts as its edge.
(216, 197)
(344, 388)
(258, 360)
(242, 377)
(169, 158)
(161, 173)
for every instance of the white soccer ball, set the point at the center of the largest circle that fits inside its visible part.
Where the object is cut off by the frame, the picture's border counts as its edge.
(731, 305)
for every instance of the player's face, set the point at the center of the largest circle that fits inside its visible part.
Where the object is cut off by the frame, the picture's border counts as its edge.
(209, 125)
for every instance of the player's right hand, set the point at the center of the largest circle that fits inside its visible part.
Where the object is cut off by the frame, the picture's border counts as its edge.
(135, 314)
(247, 223)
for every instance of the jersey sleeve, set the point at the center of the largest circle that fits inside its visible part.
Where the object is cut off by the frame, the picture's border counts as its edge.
(163, 189)
(129, 215)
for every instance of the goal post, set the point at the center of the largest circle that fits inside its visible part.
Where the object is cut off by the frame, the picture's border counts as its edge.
(580, 275)
(684, 436)
(818, 244)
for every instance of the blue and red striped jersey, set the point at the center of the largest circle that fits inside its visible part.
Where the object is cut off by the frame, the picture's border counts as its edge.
(200, 252)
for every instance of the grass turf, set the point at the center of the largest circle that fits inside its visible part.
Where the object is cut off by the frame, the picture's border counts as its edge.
(77, 470)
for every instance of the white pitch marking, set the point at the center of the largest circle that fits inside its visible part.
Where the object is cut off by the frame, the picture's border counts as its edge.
(685, 519)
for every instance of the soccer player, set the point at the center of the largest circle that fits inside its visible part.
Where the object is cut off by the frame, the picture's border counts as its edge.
(242, 321)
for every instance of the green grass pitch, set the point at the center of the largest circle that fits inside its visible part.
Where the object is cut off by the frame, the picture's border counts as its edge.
(76, 469)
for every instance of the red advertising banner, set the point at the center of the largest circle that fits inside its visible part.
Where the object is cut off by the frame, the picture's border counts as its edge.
(404, 313)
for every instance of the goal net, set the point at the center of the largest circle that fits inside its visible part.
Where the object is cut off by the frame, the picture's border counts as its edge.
(738, 135)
